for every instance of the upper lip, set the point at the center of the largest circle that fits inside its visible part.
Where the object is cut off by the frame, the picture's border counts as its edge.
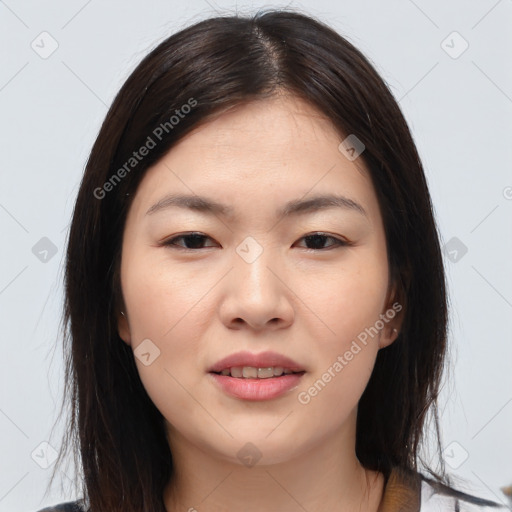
(261, 360)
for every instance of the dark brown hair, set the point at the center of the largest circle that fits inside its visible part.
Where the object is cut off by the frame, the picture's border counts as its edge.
(116, 432)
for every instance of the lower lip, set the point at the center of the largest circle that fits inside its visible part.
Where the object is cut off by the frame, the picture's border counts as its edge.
(257, 389)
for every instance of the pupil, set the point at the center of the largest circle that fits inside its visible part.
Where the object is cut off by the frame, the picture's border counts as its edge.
(196, 239)
(316, 238)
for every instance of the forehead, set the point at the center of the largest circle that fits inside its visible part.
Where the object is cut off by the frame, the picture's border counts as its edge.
(266, 151)
(279, 125)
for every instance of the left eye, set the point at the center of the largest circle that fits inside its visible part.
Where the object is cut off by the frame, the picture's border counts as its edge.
(318, 238)
(195, 241)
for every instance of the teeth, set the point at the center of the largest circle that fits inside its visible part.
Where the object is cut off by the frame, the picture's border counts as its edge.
(250, 372)
(265, 373)
(236, 372)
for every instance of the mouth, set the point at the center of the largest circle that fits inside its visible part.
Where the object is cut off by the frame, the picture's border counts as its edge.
(263, 376)
(249, 383)
(252, 372)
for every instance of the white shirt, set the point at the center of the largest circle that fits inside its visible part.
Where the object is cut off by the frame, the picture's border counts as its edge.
(432, 501)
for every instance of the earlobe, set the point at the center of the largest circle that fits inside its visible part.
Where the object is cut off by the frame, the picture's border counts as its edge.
(388, 336)
(123, 328)
(394, 315)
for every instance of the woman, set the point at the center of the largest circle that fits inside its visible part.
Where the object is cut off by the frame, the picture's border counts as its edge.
(255, 294)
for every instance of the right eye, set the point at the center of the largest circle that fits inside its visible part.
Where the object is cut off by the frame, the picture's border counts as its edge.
(193, 239)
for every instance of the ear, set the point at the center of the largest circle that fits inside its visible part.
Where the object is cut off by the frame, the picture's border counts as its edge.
(123, 327)
(392, 317)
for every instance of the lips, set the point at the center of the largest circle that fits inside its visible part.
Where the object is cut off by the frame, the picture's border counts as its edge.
(261, 360)
(256, 389)
(247, 376)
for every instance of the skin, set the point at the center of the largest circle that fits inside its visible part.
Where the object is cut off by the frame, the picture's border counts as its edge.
(306, 301)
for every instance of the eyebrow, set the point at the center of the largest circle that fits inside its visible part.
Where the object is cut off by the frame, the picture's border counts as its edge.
(294, 207)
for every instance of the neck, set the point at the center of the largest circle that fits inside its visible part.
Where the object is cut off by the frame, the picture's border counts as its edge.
(327, 476)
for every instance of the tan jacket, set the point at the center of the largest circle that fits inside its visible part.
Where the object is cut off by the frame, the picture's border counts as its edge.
(407, 491)
(402, 492)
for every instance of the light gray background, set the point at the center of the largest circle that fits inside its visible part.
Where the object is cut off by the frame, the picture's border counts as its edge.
(460, 113)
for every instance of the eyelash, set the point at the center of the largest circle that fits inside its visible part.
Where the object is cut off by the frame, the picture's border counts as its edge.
(170, 242)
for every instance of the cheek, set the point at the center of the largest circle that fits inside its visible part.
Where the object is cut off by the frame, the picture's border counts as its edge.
(165, 309)
(346, 346)
(348, 305)
(349, 299)
(159, 297)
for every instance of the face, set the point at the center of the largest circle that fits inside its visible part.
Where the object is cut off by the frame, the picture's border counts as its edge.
(311, 284)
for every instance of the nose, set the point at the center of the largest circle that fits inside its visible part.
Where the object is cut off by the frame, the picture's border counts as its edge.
(256, 294)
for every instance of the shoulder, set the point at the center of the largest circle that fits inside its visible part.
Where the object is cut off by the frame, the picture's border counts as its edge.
(435, 498)
(70, 506)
